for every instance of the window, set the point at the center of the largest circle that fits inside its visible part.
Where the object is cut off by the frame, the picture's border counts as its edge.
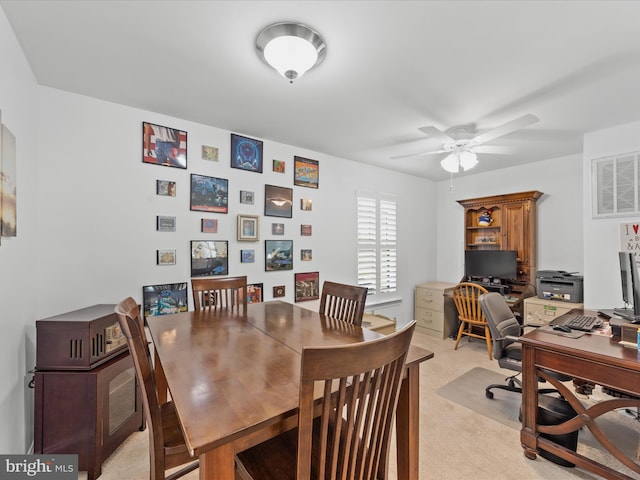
(377, 243)
(616, 185)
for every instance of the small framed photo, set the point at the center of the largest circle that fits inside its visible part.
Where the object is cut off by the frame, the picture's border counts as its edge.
(165, 224)
(209, 257)
(166, 188)
(306, 204)
(248, 228)
(254, 292)
(279, 291)
(307, 286)
(277, 229)
(164, 299)
(278, 166)
(246, 153)
(209, 225)
(306, 255)
(165, 257)
(305, 230)
(247, 256)
(209, 153)
(164, 145)
(278, 201)
(209, 194)
(305, 172)
(246, 197)
(278, 255)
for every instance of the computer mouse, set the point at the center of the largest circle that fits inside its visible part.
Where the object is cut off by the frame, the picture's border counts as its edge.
(562, 328)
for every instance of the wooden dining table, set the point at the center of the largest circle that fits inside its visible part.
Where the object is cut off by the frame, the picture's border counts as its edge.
(234, 378)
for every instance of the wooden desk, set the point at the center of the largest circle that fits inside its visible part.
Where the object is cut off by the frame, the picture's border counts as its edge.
(596, 358)
(234, 379)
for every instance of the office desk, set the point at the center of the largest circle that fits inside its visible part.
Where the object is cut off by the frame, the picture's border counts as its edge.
(595, 358)
(234, 379)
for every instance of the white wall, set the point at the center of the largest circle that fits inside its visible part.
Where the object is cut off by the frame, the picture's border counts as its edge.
(602, 235)
(18, 262)
(559, 212)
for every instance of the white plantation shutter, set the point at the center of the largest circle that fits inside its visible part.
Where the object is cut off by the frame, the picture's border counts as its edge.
(616, 185)
(377, 243)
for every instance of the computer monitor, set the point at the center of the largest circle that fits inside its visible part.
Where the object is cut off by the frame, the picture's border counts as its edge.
(502, 264)
(630, 287)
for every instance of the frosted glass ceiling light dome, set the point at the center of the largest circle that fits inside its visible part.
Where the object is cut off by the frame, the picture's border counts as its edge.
(468, 159)
(290, 48)
(450, 164)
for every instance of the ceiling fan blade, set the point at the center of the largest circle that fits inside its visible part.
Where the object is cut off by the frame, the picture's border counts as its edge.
(436, 134)
(495, 149)
(416, 154)
(506, 128)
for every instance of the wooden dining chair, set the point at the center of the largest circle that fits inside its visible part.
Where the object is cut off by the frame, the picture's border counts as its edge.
(346, 432)
(472, 320)
(167, 446)
(344, 302)
(226, 293)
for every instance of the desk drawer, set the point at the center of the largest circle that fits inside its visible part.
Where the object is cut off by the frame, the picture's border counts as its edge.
(429, 299)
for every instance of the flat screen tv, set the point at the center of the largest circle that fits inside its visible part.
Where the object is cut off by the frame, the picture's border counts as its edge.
(500, 264)
(630, 287)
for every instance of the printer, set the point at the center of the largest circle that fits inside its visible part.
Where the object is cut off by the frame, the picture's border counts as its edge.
(559, 285)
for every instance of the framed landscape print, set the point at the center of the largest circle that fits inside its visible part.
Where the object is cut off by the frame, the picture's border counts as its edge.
(247, 256)
(164, 145)
(307, 286)
(166, 188)
(209, 153)
(278, 255)
(278, 166)
(246, 153)
(164, 299)
(305, 172)
(248, 228)
(306, 255)
(165, 224)
(246, 197)
(278, 201)
(209, 194)
(165, 257)
(209, 258)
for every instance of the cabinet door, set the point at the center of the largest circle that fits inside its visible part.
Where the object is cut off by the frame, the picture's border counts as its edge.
(516, 230)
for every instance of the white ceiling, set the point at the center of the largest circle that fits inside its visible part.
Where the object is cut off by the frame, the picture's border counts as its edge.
(391, 67)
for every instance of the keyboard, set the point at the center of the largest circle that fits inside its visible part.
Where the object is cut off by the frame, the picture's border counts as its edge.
(585, 323)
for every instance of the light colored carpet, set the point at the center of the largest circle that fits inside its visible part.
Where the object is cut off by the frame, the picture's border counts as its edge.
(455, 442)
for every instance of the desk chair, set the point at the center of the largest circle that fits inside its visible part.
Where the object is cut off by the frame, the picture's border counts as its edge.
(350, 435)
(344, 302)
(505, 332)
(465, 296)
(167, 446)
(219, 293)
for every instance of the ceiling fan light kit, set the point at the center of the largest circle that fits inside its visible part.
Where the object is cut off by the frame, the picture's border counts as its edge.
(290, 48)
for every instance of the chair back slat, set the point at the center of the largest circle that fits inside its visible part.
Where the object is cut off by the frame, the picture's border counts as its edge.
(344, 302)
(228, 293)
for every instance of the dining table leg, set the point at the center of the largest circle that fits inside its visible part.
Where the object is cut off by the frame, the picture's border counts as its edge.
(218, 463)
(408, 425)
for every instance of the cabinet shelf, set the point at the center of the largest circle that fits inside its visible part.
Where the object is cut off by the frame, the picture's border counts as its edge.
(481, 244)
(492, 227)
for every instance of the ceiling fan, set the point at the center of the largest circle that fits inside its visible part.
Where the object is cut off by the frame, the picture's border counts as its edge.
(462, 143)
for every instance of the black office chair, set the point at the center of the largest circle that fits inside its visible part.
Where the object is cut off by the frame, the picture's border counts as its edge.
(505, 335)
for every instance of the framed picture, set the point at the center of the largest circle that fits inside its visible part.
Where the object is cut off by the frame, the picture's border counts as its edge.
(254, 293)
(209, 257)
(277, 229)
(278, 255)
(278, 166)
(306, 255)
(164, 299)
(278, 201)
(164, 145)
(279, 291)
(8, 183)
(209, 194)
(307, 286)
(305, 172)
(306, 204)
(165, 224)
(209, 153)
(165, 257)
(209, 225)
(247, 256)
(246, 153)
(166, 188)
(305, 230)
(248, 228)
(246, 197)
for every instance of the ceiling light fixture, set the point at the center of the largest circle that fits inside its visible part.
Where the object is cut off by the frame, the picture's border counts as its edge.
(459, 158)
(290, 48)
